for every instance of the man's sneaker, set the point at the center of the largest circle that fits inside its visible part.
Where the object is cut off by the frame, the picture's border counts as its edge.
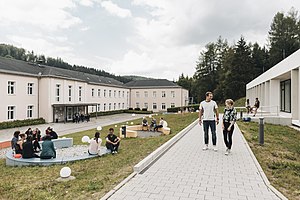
(205, 148)
(113, 152)
(227, 152)
(215, 148)
(116, 152)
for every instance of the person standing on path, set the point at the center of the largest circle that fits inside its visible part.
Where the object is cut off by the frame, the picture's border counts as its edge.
(229, 118)
(208, 112)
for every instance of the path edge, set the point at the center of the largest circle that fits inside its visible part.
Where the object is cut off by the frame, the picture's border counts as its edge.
(260, 170)
(151, 158)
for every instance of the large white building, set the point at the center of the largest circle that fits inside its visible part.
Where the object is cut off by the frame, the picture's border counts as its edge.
(278, 90)
(34, 91)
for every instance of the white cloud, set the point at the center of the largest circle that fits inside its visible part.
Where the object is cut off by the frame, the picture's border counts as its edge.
(87, 3)
(86, 28)
(47, 15)
(114, 9)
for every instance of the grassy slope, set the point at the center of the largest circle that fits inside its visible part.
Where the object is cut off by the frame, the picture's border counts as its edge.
(94, 177)
(279, 157)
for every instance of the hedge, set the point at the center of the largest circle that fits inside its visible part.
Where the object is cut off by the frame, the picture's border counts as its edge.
(183, 108)
(19, 123)
(112, 112)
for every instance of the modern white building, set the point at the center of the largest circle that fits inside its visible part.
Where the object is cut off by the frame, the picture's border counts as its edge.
(34, 91)
(157, 94)
(278, 90)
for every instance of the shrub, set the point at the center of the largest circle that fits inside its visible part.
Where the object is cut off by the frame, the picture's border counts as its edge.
(144, 109)
(137, 109)
(19, 123)
(130, 108)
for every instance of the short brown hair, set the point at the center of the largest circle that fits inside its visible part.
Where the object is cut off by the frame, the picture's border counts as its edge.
(229, 101)
(208, 93)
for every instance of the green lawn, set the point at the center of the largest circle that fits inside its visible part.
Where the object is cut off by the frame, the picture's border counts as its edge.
(94, 177)
(279, 156)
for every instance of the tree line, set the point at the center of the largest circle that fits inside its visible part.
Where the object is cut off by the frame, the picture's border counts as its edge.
(10, 51)
(226, 69)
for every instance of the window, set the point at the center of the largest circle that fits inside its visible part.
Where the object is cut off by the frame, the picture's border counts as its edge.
(119, 106)
(163, 106)
(104, 106)
(80, 93)
(70, 93)
(109, 106)
(104, 93)
(146, 94)
(146, 105)
(123, 94)
(173, 94)
(154, 106)
(172, 105)
(57, 92)
(115, 92)
(99, 92)
(93, 91)
(154, 94)
(109, 93)
(123, 105)
(11, 112)
(137, 105)
(119, 94)
(285, 96)
(29, 111)
(115, 106)
(137, 94)
(163, 94)
(98, 107)
(30, 88)
(11, 87)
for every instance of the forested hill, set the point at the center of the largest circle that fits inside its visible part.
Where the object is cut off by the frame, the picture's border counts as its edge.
(10, 51)
(225, 68)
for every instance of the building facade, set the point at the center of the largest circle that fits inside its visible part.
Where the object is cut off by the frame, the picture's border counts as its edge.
(279, 88)
(157, 94)
(55, 94)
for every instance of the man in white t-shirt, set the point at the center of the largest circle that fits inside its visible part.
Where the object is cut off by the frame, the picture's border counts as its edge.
(208, 112)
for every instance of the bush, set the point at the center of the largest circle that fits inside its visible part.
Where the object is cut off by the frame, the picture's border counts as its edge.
(110, 112)
(137, 109)
(130, 108)
(144, 109)
(193, 107)
(19, 123)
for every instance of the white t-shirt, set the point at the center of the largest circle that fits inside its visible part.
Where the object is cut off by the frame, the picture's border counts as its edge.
(208, 109)
(94, 147)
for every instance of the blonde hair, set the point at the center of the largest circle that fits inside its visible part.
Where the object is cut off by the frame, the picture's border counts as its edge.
(229, 102)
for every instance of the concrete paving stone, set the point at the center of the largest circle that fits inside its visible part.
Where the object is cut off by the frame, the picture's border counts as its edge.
(187, 172)
(209, 197)
(171, 198)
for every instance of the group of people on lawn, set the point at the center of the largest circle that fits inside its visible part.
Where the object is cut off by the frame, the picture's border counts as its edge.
(153, 125)
(27, 144)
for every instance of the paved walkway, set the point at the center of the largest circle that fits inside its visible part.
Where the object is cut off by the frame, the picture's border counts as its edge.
(187, 172)
(63, 129)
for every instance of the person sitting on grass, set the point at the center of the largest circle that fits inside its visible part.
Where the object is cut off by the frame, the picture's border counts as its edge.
(112, 141)
(53, 134)
(95, 144)
(28, 151)
(48, 150)
(145, 122)
(161, 124)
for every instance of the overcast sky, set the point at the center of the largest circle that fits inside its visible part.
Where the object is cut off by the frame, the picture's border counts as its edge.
(153, 38)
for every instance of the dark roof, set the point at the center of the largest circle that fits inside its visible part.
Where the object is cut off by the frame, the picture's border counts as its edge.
(151, 83)
(21, 67)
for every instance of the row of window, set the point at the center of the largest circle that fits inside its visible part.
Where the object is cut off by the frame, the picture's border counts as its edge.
(110, 106)
(92, 94)
(11, 88)
(154, 94)
(154, 105)
(11, 112)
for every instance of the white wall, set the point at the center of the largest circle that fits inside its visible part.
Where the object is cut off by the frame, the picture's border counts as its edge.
(20, 99)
